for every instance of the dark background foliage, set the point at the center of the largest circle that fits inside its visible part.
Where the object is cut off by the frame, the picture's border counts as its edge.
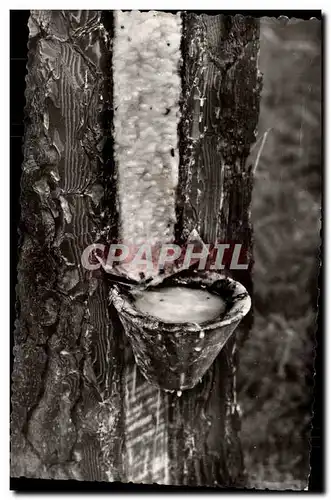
(276, 363)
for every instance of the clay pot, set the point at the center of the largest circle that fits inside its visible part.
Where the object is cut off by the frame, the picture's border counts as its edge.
(174, 356)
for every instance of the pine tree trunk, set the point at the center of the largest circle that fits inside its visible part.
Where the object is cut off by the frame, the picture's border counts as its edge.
(67, 396)
(76, 388)
(220, 106)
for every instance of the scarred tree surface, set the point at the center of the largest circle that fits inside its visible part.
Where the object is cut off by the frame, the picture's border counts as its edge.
(73, 365)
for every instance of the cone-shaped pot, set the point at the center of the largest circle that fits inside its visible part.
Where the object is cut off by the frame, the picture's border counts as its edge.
(174, 356)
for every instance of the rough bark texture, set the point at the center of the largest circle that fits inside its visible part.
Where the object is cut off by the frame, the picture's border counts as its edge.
(73, 370)
(66, 397)
(220, 105)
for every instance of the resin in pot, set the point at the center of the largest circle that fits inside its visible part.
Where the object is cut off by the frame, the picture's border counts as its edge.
(181, 304)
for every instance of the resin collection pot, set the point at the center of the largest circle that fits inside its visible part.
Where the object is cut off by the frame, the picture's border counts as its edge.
(174, 356)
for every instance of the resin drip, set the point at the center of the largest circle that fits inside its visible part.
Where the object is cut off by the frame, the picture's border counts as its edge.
(181, 304)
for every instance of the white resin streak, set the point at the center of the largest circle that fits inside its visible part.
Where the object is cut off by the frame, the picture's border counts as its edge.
(147, 87)
(146, 63)
(146, 434)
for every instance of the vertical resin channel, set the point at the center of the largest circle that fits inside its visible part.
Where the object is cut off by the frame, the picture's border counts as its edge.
(147, 89)
(146, 115)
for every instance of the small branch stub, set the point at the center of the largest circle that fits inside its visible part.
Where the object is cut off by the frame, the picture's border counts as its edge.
(175, 355)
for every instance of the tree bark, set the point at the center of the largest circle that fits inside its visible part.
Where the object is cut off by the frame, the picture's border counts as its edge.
(67, 395)
(78, 400)
(220, 105)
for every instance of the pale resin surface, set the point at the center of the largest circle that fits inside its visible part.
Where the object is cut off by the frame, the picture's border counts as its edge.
(147, 86)
(181, 305)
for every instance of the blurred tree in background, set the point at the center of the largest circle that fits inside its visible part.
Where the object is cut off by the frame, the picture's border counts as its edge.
(276, 364)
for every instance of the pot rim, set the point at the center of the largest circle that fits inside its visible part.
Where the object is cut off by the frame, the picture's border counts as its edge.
(238, 310)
